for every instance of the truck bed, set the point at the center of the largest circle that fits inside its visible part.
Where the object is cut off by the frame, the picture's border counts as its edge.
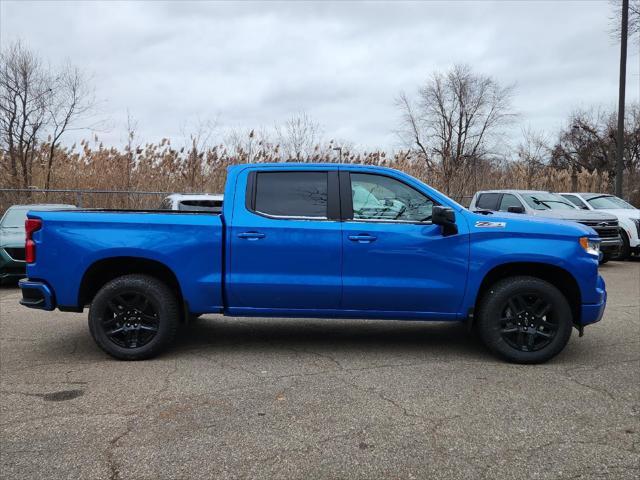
(190, 244)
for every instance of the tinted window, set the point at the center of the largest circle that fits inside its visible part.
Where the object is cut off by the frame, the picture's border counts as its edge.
(200, 205)
(292, 194)
(509, 200)
(376, 197)
(488, 201)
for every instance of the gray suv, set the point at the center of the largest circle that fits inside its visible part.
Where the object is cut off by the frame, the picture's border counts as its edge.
(552, 205)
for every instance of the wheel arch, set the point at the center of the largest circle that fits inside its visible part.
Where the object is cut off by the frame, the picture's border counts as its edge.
(104, 270)
(562, 279)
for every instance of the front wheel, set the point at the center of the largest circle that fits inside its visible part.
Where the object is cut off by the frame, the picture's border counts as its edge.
(625, 250)
(134, 317)
(524, 320)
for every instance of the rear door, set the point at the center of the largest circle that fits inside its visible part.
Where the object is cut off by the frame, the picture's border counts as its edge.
(285, 240)
(394, 258)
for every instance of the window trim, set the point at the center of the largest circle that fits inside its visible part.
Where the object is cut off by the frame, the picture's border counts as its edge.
(346, 199)
(333, 195)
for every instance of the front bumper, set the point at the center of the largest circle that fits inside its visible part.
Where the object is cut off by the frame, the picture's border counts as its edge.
(592, 312)
(611, 245)
(36, 295)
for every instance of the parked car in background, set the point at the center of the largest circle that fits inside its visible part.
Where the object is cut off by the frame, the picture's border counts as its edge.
(202, 202)
(318, 240)
(628, 217)
(552, 205)
(12, 239)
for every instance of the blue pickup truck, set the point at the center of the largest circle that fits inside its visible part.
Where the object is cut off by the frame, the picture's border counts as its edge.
(318, 240)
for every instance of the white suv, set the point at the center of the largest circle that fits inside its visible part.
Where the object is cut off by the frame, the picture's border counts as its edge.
(628, 216)
(197, 202)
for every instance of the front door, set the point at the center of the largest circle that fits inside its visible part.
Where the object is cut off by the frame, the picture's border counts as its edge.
(394, 258)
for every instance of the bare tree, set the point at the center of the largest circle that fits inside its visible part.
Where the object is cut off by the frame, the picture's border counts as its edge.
(455, 121)
(70, 100)
(36, 103)
(24, 96)
(589, 142)
(634, 19)
(534, 151)
(299, 137)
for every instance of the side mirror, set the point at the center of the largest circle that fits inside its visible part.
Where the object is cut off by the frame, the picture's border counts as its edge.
(446, 217)
(515, 209)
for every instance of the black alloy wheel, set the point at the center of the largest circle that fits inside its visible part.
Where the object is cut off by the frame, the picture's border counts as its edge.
(527, 322)
(130, 320)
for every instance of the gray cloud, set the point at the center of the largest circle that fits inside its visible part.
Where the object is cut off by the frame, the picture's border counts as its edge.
(255, 64)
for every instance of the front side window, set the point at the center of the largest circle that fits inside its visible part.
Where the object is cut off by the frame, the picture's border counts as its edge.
(547, 201)
(291, 194)
(377, 197)
(509, 200)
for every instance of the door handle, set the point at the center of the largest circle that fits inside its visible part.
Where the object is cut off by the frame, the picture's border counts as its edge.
(362, 238)
(251, 235)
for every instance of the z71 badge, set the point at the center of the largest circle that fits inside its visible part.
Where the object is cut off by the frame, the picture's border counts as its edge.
(491, 224)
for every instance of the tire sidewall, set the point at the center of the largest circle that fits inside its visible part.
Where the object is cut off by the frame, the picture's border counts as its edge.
(159, 296)
(491, 311)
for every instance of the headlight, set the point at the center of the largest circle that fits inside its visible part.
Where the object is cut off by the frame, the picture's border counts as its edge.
(590, 246)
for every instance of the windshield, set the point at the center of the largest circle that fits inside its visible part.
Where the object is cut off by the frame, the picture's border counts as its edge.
(14, 218)
(609, 201)
(547, 201)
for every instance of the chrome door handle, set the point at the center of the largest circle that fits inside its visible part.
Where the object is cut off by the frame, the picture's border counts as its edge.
(362, 238)
(251, 235)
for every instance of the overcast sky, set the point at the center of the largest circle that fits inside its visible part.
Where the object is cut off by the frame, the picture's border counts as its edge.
(249, 65)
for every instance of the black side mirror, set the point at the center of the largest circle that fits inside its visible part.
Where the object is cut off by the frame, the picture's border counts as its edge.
(446, 217)
(515, 209)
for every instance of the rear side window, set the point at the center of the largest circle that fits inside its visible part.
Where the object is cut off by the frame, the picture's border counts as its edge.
(488, 201)
(509, 200)
(291, 194)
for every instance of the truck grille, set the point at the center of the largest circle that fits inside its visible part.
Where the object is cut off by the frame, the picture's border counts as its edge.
(604, 229)
(15, 253)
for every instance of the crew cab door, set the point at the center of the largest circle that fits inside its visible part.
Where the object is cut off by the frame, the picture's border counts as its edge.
(394, 258)
(285, 242)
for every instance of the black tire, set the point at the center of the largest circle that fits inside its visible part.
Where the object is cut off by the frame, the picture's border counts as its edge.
(134, 317)
(625, 250)
(605, 258)
(517, 309)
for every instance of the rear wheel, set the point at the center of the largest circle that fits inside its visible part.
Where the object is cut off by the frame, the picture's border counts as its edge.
(524, 320)
(134, 317)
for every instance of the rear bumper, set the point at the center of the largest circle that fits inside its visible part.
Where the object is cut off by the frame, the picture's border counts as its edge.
(592, 312)
(36, 295)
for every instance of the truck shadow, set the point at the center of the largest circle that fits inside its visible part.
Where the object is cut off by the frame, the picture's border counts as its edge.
(218, 334)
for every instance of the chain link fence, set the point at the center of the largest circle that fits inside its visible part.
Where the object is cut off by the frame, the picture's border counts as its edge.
(81, 198)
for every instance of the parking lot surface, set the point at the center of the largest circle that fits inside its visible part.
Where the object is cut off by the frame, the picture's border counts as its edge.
(276, 398)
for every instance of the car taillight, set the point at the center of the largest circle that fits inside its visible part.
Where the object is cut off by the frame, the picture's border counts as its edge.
(31, 225)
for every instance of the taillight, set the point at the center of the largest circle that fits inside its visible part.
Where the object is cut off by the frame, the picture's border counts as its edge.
(31, 225)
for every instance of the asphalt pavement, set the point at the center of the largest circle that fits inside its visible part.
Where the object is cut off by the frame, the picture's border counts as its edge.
(283, 398)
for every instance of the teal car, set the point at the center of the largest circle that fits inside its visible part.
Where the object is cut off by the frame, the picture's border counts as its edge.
(12, 237)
